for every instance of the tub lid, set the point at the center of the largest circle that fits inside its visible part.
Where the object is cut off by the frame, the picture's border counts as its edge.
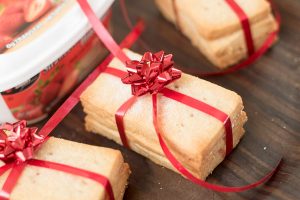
(33, 35)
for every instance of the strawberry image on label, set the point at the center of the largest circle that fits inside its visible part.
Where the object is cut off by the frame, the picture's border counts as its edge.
(49, 93)
(69, 83)
(36, 8)
(11, 19)
(16, 7)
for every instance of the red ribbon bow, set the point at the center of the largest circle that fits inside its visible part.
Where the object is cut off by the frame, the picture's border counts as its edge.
(17, 141)
(151, 74)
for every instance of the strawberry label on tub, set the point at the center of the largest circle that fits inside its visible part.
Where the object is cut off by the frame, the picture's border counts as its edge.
(19, 18)
(35, 98)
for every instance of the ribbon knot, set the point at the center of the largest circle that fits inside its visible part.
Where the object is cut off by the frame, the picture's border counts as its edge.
(17, 141)
(151, 74)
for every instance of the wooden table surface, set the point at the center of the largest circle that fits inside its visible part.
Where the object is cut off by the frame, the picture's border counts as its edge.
(270, 89)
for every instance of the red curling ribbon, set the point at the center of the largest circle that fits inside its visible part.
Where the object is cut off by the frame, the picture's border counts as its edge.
(189, 175)
(208, 109)
(244, 20)
(101, 31)
(168, 154)
(244, 64)
(17, 141)
(119, 116)
(12, 179)
(129, 24)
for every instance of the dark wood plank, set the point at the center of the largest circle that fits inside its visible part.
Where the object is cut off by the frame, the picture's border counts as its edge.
(271, 93)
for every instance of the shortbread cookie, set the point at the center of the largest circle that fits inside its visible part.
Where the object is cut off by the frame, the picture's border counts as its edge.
(38, 183)
(196, 139)
(214, 28)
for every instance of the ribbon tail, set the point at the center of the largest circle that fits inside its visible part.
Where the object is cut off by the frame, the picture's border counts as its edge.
(125, 13)
(119, 116)
(102, 33)
(129, 23)
(75, 171)
(12, 179)
(134, 34)
(189, 175)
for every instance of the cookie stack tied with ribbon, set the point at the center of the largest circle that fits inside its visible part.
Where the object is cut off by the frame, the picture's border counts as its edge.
(197, 137)
(36, 167)
(177, 120)
(225, 31)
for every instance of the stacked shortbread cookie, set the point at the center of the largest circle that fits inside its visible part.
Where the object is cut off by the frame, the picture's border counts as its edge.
(215, 29)
(196, 139)
(38, 183)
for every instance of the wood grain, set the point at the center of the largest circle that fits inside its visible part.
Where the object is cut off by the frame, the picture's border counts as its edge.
(270, 89)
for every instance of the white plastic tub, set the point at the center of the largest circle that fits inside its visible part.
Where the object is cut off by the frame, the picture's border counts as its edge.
(46, 55)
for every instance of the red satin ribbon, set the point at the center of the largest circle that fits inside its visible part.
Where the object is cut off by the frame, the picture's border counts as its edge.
(129, 24)
(244, 20)
(196, 104)
(119, 116)
(253, 57)
(18, 167)
(189, 175)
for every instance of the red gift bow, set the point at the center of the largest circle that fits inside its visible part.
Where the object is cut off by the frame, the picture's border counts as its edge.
(17, 142)
(151, 74)
(19, 165)
(189, 101)
(244, 21)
